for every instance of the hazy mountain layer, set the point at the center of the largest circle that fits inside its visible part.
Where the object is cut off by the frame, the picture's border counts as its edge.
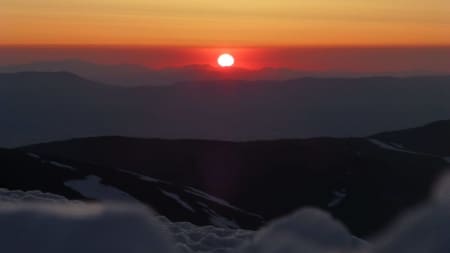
(40, 107)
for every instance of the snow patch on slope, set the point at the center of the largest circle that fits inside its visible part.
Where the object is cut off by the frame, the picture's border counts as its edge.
(395, 148)
(178, 200)
(204, 198)
(54, 163)
(33, 156)
(91, 187)
(209, 197)
(390, 147)
(219, 201)
(215, 218)
(338, 197)
(142, 177)
(61, 165)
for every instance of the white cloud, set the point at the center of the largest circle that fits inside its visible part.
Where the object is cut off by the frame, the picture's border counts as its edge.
(423, 229)
(308, 230)
(14, 196)
(191, 238)
(77, 227)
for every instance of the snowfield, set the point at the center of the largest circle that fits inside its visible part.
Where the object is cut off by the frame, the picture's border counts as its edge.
(91, 187)
(395, 147)
(40, 222)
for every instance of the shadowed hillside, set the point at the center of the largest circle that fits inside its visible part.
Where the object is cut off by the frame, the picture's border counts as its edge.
(364, 182)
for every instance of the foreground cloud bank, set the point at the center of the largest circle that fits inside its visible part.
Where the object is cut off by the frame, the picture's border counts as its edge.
(74, 228)
(39, 222)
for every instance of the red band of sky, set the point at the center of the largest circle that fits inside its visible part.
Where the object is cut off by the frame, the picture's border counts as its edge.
(337, 59)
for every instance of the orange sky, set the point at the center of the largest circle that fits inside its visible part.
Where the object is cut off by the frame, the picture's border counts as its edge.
(230, 23)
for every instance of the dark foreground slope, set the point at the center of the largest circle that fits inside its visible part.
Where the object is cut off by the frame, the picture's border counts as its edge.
(78, 181)
(41, 107)
(363, 181)
(432, 138)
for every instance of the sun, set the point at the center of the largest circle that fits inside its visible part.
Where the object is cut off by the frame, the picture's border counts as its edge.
(225, 60)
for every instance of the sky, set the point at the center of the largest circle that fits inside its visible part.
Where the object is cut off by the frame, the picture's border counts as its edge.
(351, 35)
(227, 23)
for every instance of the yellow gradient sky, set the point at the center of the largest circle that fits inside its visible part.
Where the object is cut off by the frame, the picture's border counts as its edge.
(226, 23)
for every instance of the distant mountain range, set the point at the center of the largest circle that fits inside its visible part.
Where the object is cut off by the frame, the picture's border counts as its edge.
(132, 75)
(44, 106)
(364, 182)
(129, 75)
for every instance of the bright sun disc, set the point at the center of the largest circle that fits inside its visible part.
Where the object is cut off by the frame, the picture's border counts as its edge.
(225, 60)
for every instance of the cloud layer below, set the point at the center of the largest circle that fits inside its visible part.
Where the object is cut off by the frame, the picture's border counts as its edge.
(41, 222)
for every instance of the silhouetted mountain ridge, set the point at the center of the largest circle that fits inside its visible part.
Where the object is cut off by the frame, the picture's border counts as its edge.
(83, 181)
(132, 75)
(433, 138)
(364, 182)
